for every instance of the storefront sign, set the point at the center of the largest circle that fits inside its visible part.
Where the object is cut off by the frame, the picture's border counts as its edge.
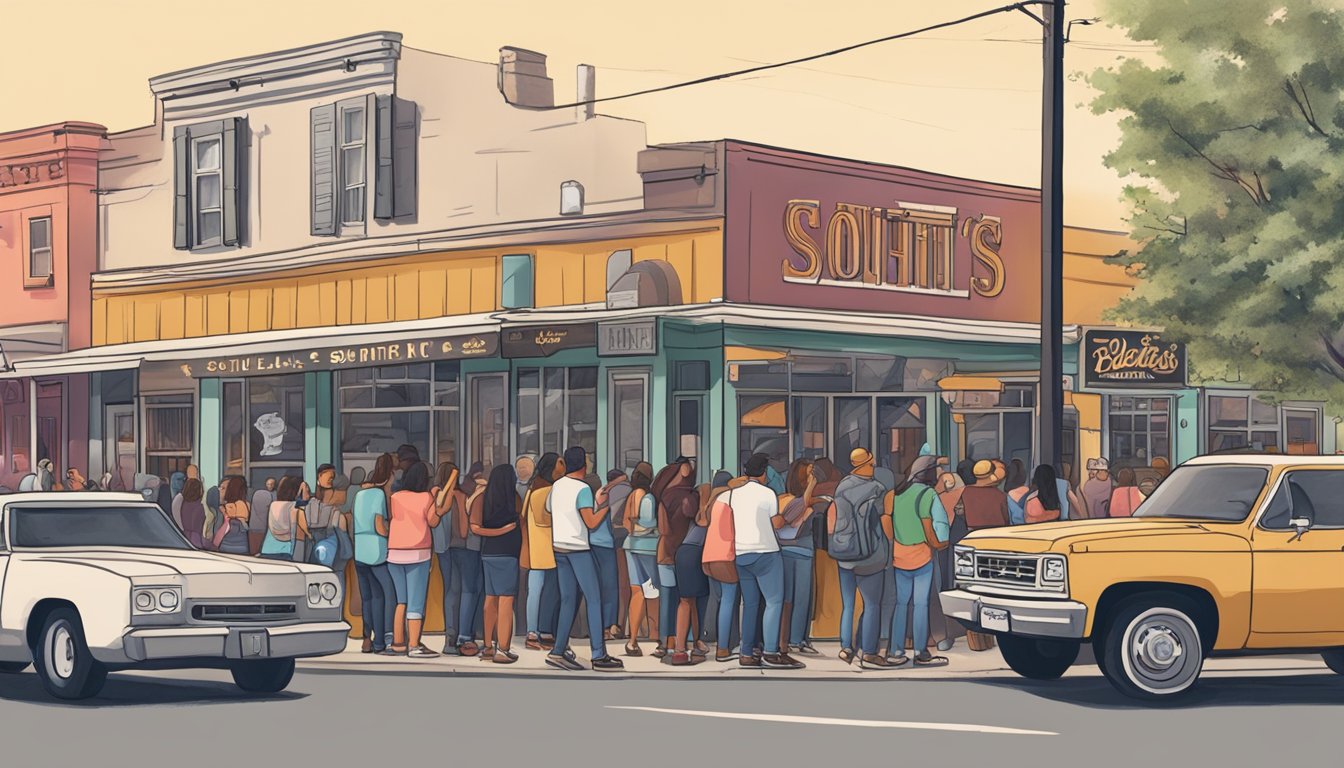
(543, 341)
(1114, 358)
(334, 358)
(639, 337)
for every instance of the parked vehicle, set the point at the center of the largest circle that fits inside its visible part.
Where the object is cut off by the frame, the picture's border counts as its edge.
(92, 583)
(1231, 554)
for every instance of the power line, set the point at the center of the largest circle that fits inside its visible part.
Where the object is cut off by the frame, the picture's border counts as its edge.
(1022, 6)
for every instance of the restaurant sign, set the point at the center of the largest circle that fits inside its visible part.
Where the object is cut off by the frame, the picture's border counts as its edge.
(400, 352)
(639, 337)
(546, 340)
(1115, 358)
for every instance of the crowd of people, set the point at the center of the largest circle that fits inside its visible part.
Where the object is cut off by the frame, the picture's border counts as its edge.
(728, 567)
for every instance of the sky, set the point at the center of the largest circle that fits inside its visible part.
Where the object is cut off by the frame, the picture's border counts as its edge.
(964, 101)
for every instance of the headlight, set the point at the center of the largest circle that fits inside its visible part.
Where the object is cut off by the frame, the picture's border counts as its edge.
(964, 559)
(329, 592)
(1053, 569)
(148, 600)
(314, 594)
(323, 593)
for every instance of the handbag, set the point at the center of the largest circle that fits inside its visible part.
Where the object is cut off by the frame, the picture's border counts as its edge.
(719, 557)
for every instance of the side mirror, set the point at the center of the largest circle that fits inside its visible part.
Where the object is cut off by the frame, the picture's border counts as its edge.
(1301, 525)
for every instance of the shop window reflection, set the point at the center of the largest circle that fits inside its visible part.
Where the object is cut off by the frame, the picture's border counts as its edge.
(763, 428)
(853, 428)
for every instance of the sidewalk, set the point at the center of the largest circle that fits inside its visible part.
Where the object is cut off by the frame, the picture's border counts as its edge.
(962, 663)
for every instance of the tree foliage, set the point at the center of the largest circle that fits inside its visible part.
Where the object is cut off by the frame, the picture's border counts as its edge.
(1233, 147)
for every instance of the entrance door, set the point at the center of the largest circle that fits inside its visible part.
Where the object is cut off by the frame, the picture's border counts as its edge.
(901, 432)
(1300, 432)
(1298, 596)
(628, 398)
(119, 452)
(852, 418)
(488, 415)
(689, 437)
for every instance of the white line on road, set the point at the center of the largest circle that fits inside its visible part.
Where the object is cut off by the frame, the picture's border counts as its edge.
(959, 727)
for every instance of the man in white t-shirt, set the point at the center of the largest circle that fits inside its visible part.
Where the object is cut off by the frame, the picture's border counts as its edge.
(572, 517)
(760, 566)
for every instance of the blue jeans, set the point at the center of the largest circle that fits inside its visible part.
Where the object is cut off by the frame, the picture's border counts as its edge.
(912, 586)
(727, 613)
(668, 599)
(870, 622)
(761, 577)
(578, 578)
(543, 601)
(377, 597)
(411, 581)
(463, 584)
(798, 594)
(608, 581)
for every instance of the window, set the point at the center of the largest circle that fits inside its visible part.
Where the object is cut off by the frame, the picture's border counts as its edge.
(39, 271)
(1140, 430)
(353, 166)
(1313, 494)
(1242, 422)
(169, 433)
(389, 406)
(692, 376)
(516, 282)
(1210, 492)
(763, 427)
(207, 184)
(557, 408)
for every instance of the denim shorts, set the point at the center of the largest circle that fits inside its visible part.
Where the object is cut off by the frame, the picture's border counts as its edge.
(501, 575)
(411, 581)
(643, 567)
(667, 575)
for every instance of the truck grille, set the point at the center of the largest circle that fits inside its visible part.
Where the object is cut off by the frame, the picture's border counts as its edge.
(1019, 571)
(243, 612)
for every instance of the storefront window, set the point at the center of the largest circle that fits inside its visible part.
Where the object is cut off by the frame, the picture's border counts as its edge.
(901, 432)
(763, 428)
(275, 427)
(49, 427)
(629, 397)
(489, 438)
(879, 374)
(853, 428)
(809, 427)
(1002, 435)
(234, 427)
(553, 411)
(170, 433)
(389, 406)
(1241, 422)
(557, 408)
(822, 374)
(1140, 430)
(1300, 431)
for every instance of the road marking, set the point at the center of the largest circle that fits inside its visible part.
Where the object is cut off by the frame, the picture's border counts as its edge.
(958, 727)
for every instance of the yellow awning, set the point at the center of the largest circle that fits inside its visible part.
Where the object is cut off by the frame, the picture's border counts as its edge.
(958, 383)
(768, 415)
(752, 354)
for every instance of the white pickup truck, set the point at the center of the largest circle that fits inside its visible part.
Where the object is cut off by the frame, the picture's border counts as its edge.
(99, 582)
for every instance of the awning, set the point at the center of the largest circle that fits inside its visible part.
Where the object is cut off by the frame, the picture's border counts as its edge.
(961, 383)
(770, 414)
(733, 354)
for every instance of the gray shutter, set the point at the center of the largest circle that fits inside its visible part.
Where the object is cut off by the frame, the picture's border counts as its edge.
(382, 183)
(234, 146)
(404, 163)
(323, 121)
(181, 189)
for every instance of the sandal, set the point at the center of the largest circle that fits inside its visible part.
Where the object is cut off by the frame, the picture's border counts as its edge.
(925, 659)
(468, 648)
(533, 643)
(505, 657)
(633, 650)
(488, 653)
(847, 655)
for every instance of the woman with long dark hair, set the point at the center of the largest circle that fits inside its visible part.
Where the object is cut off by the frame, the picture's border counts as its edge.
(641, 555)
(192, 511)
(410, 547)
(233, 516)
(464, 552)
(496, 522)
(796, 544)
(285, 522)
(674, 492)
(377, 595)
(543, 591)
(1042, 504)
(449, 501)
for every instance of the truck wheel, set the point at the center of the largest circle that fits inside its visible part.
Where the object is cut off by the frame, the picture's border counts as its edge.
(263, 675)
(1152, 649)
(1038, 659)
(1334, 659)
(64, 663)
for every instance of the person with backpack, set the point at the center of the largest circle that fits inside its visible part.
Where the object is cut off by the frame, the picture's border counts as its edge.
(641, 555)
(760, 566)
(862, 549)
(323, 519)
(911, 519)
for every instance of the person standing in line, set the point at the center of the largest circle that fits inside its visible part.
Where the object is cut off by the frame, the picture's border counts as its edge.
(679, 503)
(984, 504)
(1017, 489)
(496, 521)
(231, 536)
(612, 497)
(447, 500)
(910, 522)
(285, 523)
(409, 548)
(602, 541)
(641, 556)
(796, 544)
(192, 511)
(261, 505)
(1043, 503)
(175, 483)
(377, 594)
(670, 488)
(573, 515)
(524, 468)
(719, 562)
(1097, 488)
(464, 553)
(760, 566)
(543, 591)
(323, 518)
(867, 576)
(1126, 497)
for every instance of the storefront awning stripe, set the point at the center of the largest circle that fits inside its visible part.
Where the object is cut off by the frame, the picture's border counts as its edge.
(970, 384)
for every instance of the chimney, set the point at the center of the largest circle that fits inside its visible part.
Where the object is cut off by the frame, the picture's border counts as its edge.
(523, 80)
(585, 91)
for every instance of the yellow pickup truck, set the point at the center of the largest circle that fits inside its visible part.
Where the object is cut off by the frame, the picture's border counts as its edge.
(1230, 555)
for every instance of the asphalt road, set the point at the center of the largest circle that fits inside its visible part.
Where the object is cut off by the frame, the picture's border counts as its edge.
(348, 718)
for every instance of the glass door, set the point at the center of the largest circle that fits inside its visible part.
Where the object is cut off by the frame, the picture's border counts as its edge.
(488, 430)
(119, 453)
(1300, 431)
(628, 395)
(901, 432)
(689, 437)
(853, 422)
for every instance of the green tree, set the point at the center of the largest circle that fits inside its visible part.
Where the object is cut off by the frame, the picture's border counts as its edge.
(1233, 144)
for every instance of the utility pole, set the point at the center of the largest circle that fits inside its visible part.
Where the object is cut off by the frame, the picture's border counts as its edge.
(1051, 405)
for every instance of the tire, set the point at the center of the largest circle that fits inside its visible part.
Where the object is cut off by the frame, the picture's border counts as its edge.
(10, 667)
(1038, 659)
(1153, 650)
(263, 675)
(64, 664)
(1334, 659)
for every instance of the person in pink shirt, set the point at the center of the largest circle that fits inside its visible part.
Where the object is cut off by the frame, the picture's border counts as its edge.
(410, 545)
(1126, 497)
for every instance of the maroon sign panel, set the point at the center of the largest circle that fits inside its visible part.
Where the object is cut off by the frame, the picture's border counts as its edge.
(825, 233)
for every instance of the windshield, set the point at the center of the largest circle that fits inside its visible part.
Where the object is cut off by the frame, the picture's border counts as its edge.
(130, 526)
(1221, 493)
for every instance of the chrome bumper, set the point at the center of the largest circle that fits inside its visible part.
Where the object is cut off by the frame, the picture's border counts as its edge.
(1038, 618)
(230, 642)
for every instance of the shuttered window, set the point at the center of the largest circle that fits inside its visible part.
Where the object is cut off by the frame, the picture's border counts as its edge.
(343, 139)
(209, 206)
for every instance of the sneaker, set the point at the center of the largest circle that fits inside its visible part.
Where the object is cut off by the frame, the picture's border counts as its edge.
(450, 649)
(750, 662)
(874, 661)
(724, 655)
(563, 663)
(945, 644)
(608, 664)
(894, 662)
(926, 659)
(678, 659)
(390, 651)
(781, 661)
(421, 652)
(366, 646)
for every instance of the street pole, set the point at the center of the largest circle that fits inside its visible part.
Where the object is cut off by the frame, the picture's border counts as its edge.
(1051, 405)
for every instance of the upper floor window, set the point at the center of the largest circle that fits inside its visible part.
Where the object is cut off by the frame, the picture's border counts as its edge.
(363, 151)
(208, 193)
(38, 273)
(353, 174)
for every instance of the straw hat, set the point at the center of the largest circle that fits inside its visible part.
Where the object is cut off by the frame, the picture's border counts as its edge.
(983, 469)
(860, 457)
